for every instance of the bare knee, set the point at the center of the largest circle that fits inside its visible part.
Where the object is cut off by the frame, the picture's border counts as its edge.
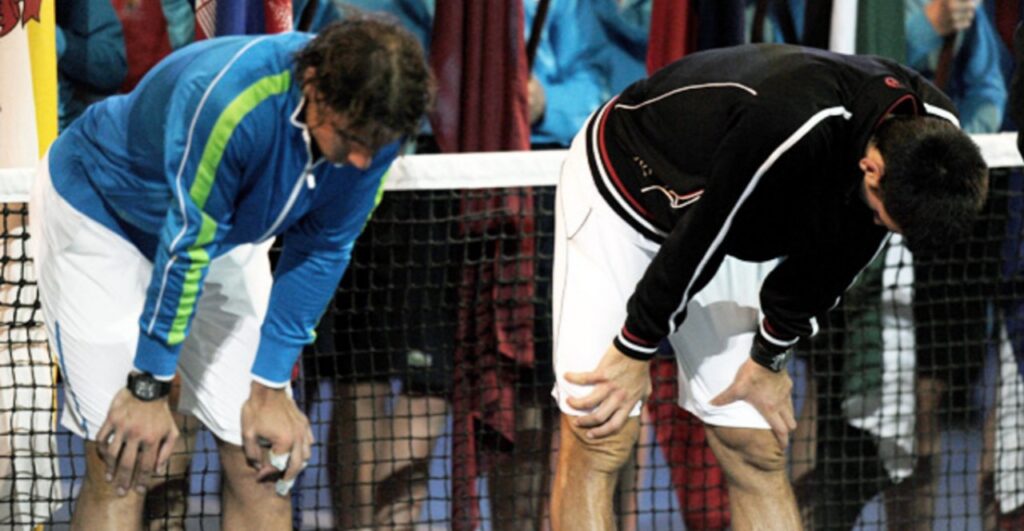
(746, 449)
(605, 455)
(247, 502)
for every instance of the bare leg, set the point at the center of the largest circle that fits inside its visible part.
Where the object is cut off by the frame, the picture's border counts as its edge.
(403, 470)
(585, 479)
(248, 504)
(910, 504)
(358, 427)
(631, 475)
(760, 495)
(98, 505)
(167, 503)
(518, 483)
(986, 476)
(804, 441)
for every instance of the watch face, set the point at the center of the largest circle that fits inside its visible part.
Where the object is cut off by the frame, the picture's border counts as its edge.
(145, 389)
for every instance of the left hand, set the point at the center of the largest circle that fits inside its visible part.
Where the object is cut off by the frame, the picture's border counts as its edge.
(768, 392)
(271, 415)
(619, 383)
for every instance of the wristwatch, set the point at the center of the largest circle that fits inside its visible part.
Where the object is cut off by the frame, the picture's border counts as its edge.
(769, 356)
(146, 387)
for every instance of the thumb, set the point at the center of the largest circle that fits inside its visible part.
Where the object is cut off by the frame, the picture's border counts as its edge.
(583, 378)
(730, 395)
(252, 449)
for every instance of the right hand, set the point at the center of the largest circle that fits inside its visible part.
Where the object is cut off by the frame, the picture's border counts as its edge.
(619, 383)
(136, 441)
(770, 394)
(950, 16)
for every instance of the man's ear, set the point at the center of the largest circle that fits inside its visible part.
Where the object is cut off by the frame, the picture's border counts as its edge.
(873, 171)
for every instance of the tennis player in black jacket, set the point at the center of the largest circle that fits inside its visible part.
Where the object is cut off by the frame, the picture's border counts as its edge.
(755, 153)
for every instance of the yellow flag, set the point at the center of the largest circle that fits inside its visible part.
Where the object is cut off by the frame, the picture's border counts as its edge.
(28, 82)
(42, 44)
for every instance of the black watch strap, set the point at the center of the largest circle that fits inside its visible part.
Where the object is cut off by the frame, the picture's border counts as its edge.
(769, 356)
(146, 387)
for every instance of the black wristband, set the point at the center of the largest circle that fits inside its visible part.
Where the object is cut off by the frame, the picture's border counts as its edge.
(146, 387)
(769, 356)
(630, 353)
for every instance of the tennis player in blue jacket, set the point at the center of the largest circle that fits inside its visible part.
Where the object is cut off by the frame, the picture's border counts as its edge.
(150, 221)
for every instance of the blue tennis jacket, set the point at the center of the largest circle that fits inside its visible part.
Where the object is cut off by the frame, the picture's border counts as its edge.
(207, 153)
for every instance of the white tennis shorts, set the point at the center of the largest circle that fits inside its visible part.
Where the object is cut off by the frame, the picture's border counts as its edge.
(92, 284)
(599, 259)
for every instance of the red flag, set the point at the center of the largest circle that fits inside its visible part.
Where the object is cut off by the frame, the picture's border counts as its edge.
(478, 55)
(673, 32)
(277, 15)
(145, 28)
(1007, 16)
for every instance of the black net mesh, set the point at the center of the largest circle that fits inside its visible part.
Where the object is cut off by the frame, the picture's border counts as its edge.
(429, 389)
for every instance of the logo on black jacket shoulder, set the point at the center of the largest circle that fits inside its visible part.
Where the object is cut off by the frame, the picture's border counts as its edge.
(892, 82)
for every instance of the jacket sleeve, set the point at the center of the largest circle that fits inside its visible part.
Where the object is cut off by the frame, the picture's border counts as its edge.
(315, 254)
(208, 144)
(805, 286)
(749, 153)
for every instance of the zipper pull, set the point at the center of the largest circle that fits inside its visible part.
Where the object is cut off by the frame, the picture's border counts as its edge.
(310, 180)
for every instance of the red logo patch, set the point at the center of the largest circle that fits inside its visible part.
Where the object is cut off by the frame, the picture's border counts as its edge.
(892, 82)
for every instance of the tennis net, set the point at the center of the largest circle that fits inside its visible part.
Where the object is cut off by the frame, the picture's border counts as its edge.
(428, 385)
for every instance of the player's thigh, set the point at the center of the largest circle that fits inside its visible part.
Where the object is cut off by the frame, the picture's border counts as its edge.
(598, 261)
(92, 286)
(715, 341)
(216, 359)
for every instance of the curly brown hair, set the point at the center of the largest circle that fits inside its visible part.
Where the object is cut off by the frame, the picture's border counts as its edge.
(373, 71)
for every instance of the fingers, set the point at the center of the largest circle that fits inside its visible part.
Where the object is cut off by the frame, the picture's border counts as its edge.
(146, 467)
(787, 417)
(296, 462)
(165, 453)
(274, 465)
(730, 395)
(293, 462)
(279, 460)
(584, 378)
(602, 412)
(126, 467)
(779, 428)
(108, 443)
(251, 448)
(613, 426)
(598, 395)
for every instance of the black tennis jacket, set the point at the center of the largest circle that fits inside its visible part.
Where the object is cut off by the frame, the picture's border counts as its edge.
(752, 152)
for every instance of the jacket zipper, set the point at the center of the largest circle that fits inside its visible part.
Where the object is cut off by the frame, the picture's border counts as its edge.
(306, 176)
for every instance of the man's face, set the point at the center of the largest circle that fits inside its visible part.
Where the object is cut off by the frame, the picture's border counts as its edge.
(873, 166)
(339, 143)
(874, 200)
